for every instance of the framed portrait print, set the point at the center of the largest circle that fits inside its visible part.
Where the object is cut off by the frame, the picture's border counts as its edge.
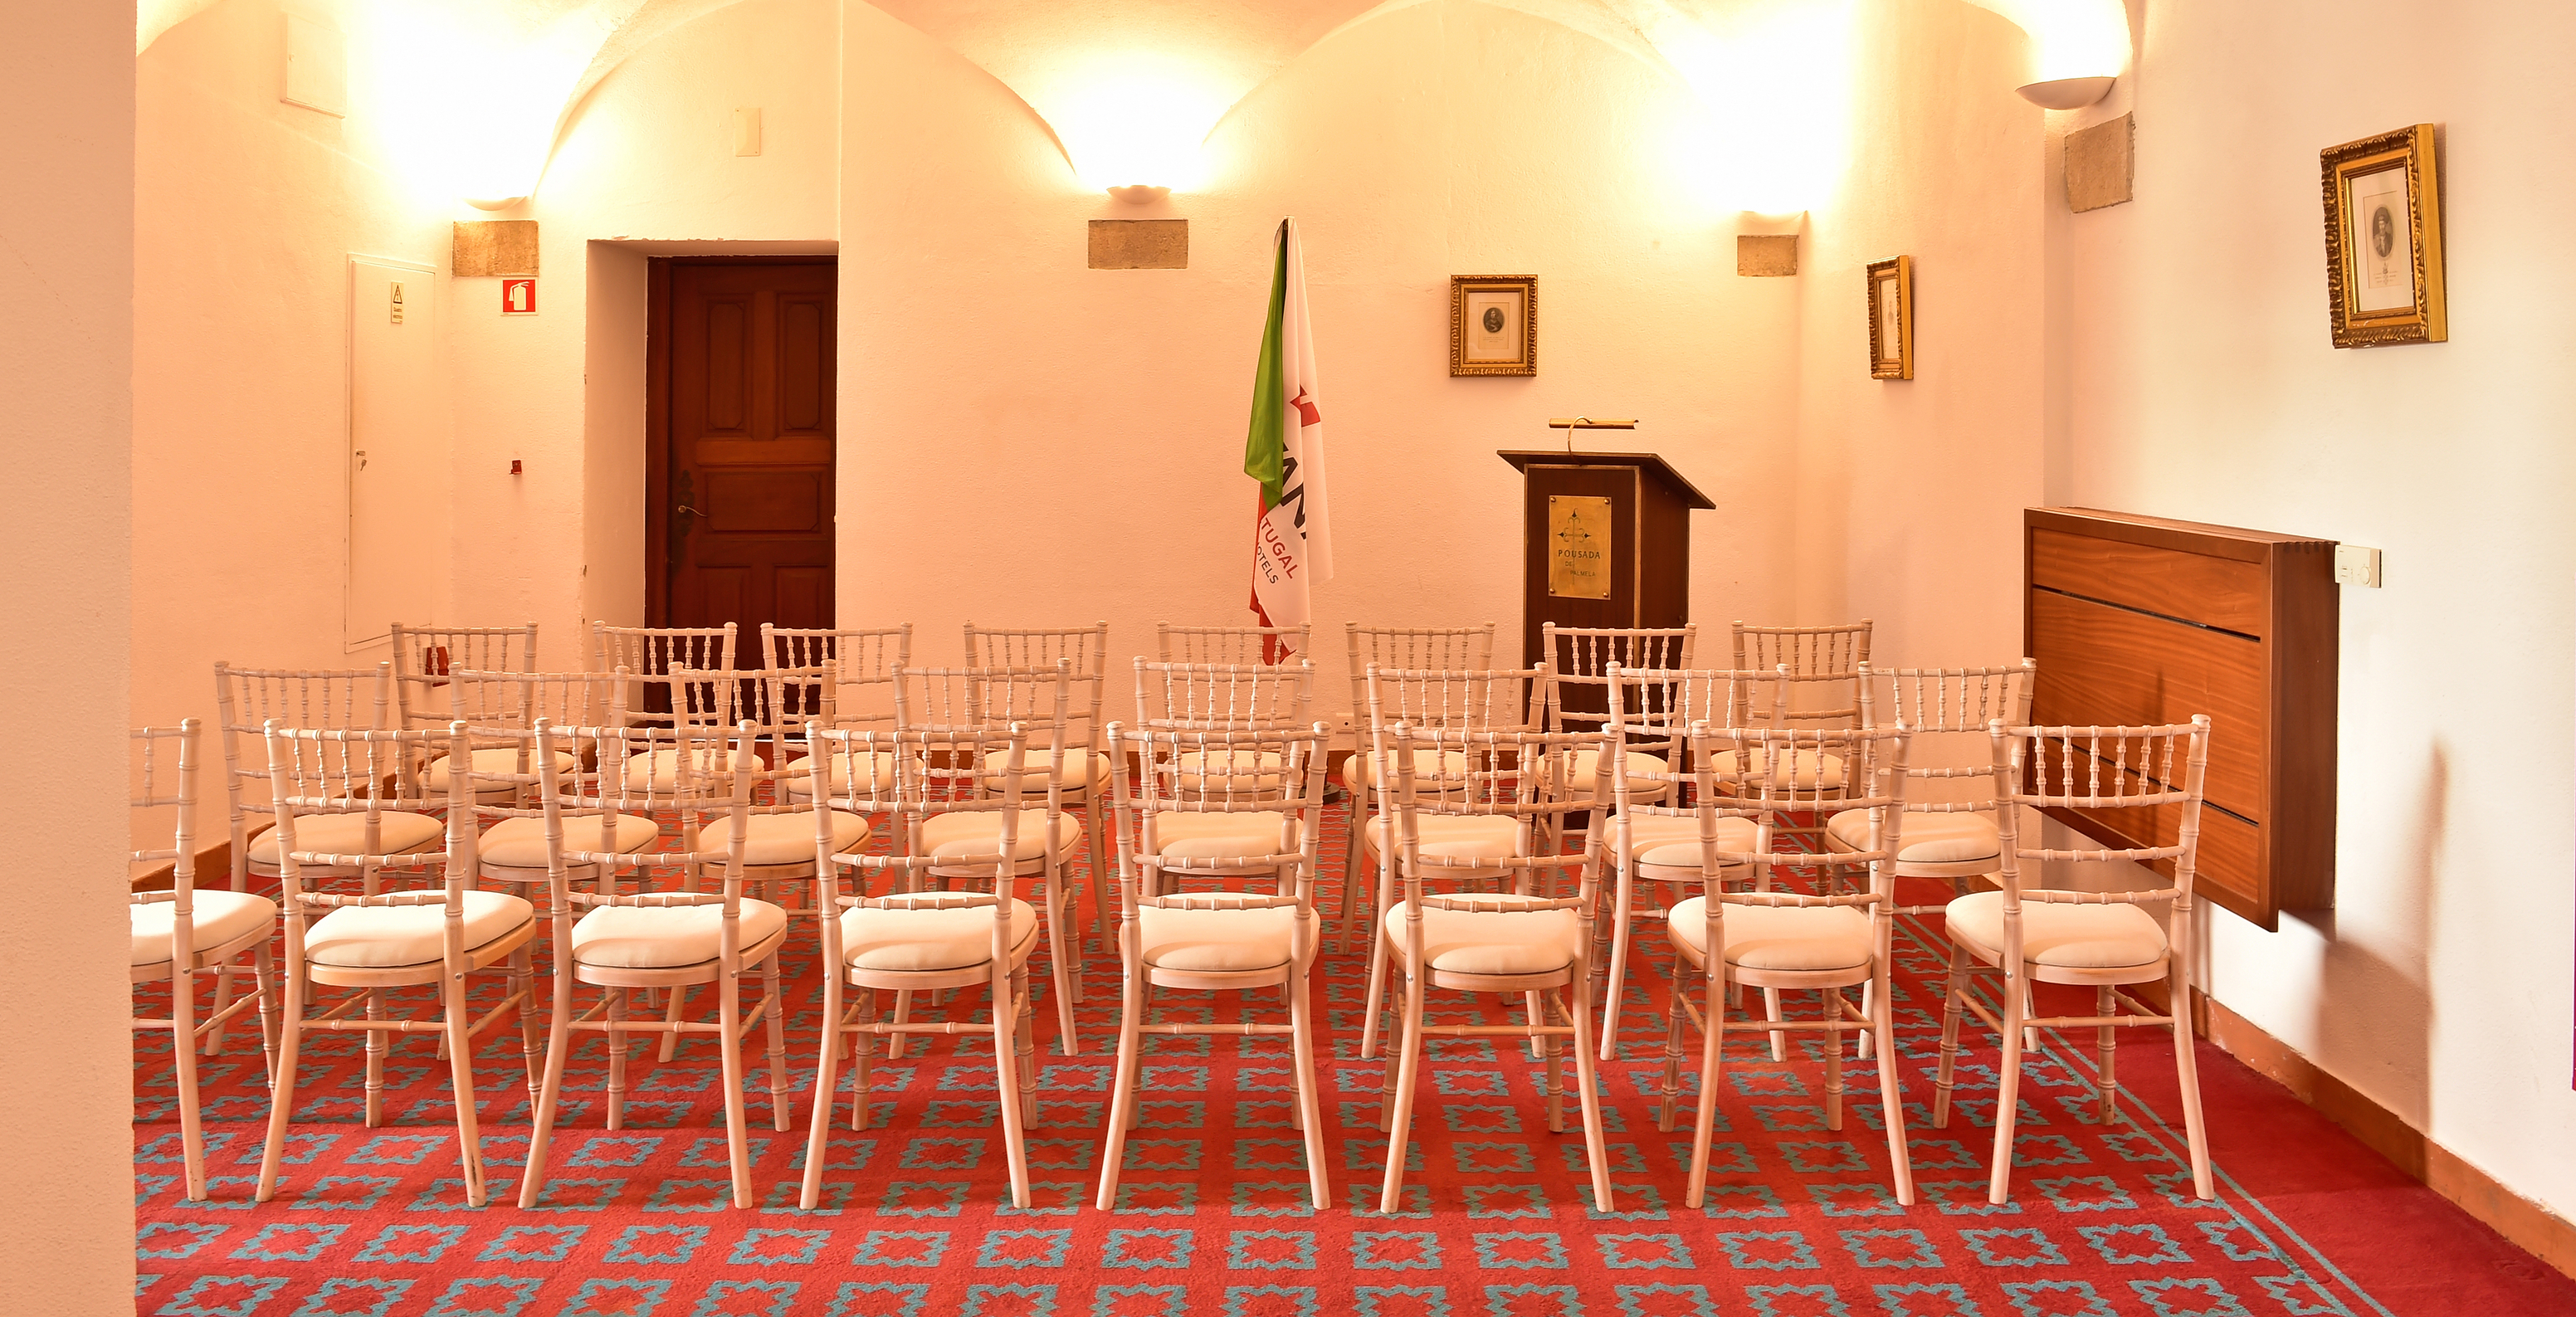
(1493, 324)
(2384, 240)
(1891, 319)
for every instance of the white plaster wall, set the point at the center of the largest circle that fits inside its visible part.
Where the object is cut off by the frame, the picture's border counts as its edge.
(66, 434)
(1027, 442)
(2197, 380)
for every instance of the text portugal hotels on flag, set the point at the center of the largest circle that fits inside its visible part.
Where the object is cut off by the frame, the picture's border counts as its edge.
(1292, 537)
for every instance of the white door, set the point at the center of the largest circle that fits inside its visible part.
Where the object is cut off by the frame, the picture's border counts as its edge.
(398, 461)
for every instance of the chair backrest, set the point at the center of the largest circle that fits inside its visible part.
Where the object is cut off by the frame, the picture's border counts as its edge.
(1251, 696)
(246, 699)
(1656, 709)
(651, 652)
(1414, 649)
(323, 771)
(683, 772)
(1276, 773)
(501, 704)
(167, 764)
(1085, 648)
(1232, 644)
(1517, 773)
(1753, 773)
(948, 725)
(2139, 782)
(940, 771)
(425, 657)
(863, 655)
(711, 776)
(1950, 711)
(1580, 658)
(1826, 661)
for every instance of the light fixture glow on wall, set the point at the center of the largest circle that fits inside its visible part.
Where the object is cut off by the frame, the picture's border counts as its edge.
(1134, 125)
(1774, 82)
(2078, 48)
(467, 94)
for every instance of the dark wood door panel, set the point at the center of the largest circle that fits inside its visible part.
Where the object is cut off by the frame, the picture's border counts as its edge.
(2111, 665)
(744, 458)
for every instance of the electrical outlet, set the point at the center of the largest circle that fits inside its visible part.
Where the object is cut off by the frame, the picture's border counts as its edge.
(2356, 565)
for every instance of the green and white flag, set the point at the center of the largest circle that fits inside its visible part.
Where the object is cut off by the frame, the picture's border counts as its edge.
(1292, 539)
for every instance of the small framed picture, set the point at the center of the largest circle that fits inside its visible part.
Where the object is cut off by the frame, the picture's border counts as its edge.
(2384, 240)
(1493, 324)
(1891, 319)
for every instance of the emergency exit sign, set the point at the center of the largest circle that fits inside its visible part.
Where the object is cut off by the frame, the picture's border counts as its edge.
(518, 297)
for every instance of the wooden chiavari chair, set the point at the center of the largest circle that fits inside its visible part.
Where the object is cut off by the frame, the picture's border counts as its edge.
(778, 855)
(915, 939)
(1578, 699)
(645, 653)
(1227, 817)
(1233, 644)
(513, 845)
(1523, 942)
(328, 788)
(1082, 768)
(426, 659)
(1398, 649)
(2132, 779)
(962, 705)
(1502, 701)
(355, 699)
(858, 693)
(182, 933)
(670, 933)
(1825, 665)
(1224, 697)
(1785, 940)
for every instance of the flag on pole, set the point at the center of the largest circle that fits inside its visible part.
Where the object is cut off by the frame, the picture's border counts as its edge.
(1292, 539)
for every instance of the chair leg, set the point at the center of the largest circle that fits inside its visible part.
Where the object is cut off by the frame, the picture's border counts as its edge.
(1891, 1087)
(532, 1181)
(898, 1043)
(183, 1057)
(1951, 1009)
(1595, 1144)
(1122, 1091)
(1059, 967)
(1622, 913)
(1102, 879)
(459, 1023)
(2187, 1077)
(671, 1015)
(619, 1043)
(264, 977)
(2008, 1090)
(1779, 1037)
(1024, 1052)
(1356, 801)
(281, 1100)
(223, 997)
(1377, 962)
(729, 1033)
(1833, 1004)
(378, 1042)
(1668, 1101)
(1712, 1063)
(1399, 1120)
(772, 1004)
(2107, 1040)
(863, 1054)
(818, 1129)
(523, 984)
(1534, 1004)
(1549, 1085)
(1007, 994)
(1310, 1107)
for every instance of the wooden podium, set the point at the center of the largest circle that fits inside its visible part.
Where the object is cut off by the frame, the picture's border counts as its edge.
(1606, 541)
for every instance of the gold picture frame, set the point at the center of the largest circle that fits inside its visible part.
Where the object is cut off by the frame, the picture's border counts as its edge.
(2384, 278)
(1493, 324)
(1891, 319)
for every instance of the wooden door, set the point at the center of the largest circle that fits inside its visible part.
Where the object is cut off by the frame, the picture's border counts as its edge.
(738, 525)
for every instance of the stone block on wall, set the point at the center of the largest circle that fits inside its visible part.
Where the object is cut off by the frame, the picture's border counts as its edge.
(1140, 244)
(485, 249)
(2101, 164)
(1766, 255)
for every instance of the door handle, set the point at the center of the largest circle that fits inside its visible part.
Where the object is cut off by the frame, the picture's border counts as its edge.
(683, 515)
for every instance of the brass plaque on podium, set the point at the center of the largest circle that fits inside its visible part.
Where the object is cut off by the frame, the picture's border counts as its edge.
(1578, 557)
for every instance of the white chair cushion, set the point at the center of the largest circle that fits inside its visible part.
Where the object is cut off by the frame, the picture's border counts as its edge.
(1360, 770)
(1221, 836)
(398, 833)
(873, 769)
(1800, 773)
(1456, 836)
(1491, 942)
(1950, 838)
(1239, 773)
(659, 770)
(1081, 769)
(390, 937)
(502, 759)
(1818, 938)
(668, 937)
(775, 839)
(521, 843)
(1590, 780)
(2064, 936)
(930, 937)
(1674, 841)
(219, 916)
(1220, 941)
(978, 832)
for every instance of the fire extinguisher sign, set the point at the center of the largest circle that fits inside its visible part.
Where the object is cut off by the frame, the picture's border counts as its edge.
(518, 297)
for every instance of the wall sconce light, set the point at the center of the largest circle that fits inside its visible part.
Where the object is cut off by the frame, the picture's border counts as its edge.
(2066, 93)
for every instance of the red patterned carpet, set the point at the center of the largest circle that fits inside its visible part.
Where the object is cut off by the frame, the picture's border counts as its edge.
(1213, 1214)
